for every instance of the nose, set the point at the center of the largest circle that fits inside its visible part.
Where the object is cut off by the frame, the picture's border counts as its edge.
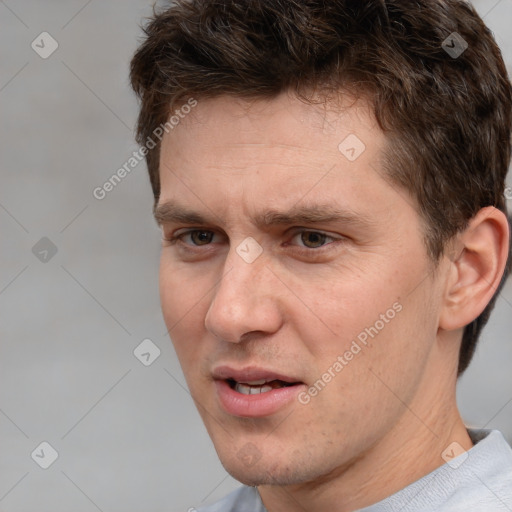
(246, 300)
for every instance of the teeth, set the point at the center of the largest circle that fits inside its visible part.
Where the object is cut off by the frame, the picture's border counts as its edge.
(256, 382)
(245, 389)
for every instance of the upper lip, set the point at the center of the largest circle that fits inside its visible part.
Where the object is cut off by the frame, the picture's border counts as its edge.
(249, 374)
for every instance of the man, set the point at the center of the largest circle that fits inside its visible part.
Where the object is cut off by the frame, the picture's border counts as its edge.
(329, 179)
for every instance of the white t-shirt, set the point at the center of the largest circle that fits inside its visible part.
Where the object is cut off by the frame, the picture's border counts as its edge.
(478, 480)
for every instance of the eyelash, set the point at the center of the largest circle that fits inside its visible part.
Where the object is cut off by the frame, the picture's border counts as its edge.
(174, 239)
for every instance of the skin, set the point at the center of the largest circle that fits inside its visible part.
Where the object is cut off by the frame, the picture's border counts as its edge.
(386, 418)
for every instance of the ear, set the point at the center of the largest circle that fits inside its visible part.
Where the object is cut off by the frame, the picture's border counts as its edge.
(476, 268)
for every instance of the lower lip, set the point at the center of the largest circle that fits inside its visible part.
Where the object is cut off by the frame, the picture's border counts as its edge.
(255, 406)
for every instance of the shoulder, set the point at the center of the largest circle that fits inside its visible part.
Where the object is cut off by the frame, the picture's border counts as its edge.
(486, 476)
(479, 479)
(244, 499)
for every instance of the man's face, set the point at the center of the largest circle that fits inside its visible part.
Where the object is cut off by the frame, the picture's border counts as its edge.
(302, 343)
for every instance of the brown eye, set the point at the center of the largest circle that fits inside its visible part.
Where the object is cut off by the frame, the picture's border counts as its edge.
(313, 239)
(201, 237)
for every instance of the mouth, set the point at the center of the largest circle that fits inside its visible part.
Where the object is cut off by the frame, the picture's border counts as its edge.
(254, 392)
(257, 387)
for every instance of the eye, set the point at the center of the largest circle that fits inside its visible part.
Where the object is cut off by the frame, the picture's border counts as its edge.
(313, 239)
(200, 237)
(193, 237)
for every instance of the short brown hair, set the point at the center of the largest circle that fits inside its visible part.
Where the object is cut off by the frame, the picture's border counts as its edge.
(447, 117)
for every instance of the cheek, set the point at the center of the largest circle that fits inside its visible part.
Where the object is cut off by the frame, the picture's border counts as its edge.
(357, 382)
(332, 312)
(171, 288)
(374, 318)
(392, 342)
(181, 287)
(184, 306)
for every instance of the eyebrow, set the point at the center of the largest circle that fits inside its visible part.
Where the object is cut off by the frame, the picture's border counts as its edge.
(172, 212)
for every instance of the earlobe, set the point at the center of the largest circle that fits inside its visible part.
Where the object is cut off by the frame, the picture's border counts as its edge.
(476, 268)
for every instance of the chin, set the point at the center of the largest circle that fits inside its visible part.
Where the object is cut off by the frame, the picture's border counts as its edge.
(257, 477)
(269, 472)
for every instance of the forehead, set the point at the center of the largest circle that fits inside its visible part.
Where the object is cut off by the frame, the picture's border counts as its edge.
(261, 153)
(285, 120)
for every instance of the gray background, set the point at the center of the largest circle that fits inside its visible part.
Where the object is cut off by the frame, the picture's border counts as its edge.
(128, 436)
